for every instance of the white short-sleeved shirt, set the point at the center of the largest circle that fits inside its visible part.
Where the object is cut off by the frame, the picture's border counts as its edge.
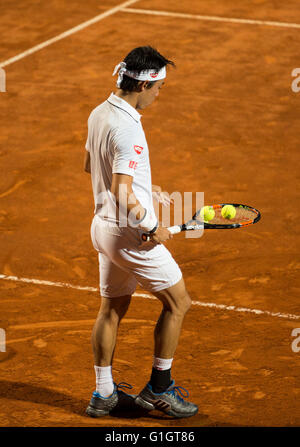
(117, 144)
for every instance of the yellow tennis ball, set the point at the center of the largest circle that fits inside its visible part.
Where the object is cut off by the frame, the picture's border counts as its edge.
(228, 212)
(207, 213)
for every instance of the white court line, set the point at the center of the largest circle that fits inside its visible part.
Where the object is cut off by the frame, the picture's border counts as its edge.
(148, 296)
(124, 8)
(61, 36)
(210, 18)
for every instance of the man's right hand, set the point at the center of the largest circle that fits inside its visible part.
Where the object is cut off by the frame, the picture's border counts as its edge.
(162, 234)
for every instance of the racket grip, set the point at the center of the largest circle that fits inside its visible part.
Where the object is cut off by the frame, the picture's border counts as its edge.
(174, 230)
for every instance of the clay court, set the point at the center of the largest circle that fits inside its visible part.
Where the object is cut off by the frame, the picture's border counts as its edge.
(226, 123)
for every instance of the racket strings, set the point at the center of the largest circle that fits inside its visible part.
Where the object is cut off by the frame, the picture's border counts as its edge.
(243, 214)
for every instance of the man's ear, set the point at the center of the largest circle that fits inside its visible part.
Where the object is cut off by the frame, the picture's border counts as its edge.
(143, 85)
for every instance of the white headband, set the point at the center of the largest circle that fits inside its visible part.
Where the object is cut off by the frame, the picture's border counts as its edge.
(146, 75)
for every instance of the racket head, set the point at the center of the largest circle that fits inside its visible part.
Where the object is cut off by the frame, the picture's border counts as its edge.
(245, 215)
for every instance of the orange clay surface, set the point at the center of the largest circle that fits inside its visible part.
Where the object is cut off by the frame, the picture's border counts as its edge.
(226, 123)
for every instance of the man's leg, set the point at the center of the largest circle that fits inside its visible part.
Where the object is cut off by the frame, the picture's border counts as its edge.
(160, 392)
(105, 330)
(104, 336)
(176, 302)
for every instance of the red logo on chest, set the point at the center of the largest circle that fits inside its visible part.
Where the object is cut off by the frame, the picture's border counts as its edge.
(153, 75)
(138, 149)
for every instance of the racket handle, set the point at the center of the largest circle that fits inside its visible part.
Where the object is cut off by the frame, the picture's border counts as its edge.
(174, 230)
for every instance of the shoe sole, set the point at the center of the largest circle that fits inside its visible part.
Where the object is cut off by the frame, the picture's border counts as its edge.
(149, 406)
(95, 412)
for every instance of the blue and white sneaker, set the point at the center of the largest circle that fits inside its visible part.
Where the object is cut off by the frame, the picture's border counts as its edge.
(102, 406)
(169, 402)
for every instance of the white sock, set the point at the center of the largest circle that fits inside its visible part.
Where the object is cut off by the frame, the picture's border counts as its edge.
(162, 364)
(104, 380)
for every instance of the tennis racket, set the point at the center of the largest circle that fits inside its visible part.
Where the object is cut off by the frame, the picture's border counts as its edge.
(245, 215)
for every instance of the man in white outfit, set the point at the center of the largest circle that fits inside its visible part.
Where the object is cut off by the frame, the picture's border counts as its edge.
(117, 157)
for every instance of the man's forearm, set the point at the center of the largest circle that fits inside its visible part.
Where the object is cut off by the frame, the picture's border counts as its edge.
(137, 216)
(128, 203)
(129, 206)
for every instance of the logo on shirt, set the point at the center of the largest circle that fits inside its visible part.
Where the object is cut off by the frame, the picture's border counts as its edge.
(132, 164)
(153, 75)
(138, 149)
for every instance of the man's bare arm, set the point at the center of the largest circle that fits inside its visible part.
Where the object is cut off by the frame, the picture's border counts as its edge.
(87, 162)
(121, 187)
(122, 184)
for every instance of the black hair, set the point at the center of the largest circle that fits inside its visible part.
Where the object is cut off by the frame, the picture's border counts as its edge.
(140, 59)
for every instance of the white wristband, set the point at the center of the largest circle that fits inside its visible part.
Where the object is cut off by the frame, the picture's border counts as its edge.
(148, 222)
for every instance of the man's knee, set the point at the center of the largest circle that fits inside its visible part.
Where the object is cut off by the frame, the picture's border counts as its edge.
(114, 308)
(179, 304)
(175, 299)
(187, 302)
(183, 304)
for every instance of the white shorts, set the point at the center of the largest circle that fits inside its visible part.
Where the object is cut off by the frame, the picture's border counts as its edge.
(123, 264)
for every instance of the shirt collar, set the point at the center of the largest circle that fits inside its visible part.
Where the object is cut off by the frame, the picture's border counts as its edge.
(124, 105)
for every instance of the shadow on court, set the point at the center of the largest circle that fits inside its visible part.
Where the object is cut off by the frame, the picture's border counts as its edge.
(41, 395)
(9, 354)
(126, 407)
(27, 392)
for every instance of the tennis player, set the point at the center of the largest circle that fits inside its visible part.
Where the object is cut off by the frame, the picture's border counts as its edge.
(117, 157)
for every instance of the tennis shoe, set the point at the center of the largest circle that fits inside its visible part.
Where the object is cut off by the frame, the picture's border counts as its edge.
(171, 401)
(102, 406)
